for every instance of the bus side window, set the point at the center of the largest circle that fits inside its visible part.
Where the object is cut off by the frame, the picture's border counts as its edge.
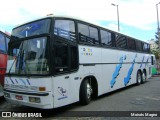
(2, 43)
(106, 38)
(61, 57)
(131, 44)
(65, 29)
(88, 34)
(139, 45)
(145, 47)
(121, 41)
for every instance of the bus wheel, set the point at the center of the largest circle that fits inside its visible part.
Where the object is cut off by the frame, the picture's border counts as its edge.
(85, 92)
(139, 78)
(144, 77)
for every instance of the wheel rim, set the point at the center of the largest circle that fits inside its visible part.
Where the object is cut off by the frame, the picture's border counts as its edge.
(89, 91)
(139, 78)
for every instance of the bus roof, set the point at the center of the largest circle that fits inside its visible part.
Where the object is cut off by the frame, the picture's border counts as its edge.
(80, 19)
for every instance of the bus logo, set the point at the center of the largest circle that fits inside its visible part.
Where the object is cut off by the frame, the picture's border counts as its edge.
(62, 92)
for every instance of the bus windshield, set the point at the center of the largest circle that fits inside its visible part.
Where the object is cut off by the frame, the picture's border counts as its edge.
(31, 29)
(28, 57)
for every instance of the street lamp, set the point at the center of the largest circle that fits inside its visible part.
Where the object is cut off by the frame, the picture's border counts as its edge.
(157, 16)
(158, 31)
(117, 15)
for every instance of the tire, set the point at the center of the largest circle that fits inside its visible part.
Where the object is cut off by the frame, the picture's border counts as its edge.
(139, 78)
(144, 77)
(85, 92)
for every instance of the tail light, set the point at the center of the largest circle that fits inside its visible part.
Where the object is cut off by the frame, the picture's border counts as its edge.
(2, 73)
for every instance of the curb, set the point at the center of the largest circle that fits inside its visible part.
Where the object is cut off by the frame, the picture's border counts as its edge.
(158, 75)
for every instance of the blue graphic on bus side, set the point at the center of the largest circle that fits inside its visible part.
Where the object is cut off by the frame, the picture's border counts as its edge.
(127, 79)
(23, 81)
(146, 61)
(16, 81)
(142, 62)
(28, 82)
(11, 80)
(116, 72)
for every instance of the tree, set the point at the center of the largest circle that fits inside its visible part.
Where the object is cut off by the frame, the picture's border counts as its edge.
(156, 53)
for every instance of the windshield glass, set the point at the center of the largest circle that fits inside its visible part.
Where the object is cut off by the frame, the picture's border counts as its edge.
(31, 29)
(28, 57)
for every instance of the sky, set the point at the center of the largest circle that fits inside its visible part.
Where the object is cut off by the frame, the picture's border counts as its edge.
(137, 18)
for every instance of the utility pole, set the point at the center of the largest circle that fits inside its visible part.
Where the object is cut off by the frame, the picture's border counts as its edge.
(158, 31)
(117, 15)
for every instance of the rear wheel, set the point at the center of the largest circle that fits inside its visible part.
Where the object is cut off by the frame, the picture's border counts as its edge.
(85, 92)
(139, 78)
(144, 77)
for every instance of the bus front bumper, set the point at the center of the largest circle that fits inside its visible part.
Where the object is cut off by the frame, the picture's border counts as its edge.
(43, 100)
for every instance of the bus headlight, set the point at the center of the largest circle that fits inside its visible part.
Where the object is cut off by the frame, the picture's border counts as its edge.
(7, 95)
(34, 99)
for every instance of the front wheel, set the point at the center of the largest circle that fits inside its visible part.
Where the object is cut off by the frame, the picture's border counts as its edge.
(139, 78)
(85, 92)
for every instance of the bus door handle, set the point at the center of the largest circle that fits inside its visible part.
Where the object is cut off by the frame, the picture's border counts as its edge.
(66, 77)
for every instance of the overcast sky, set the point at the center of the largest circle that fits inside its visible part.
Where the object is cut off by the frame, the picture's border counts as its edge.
(137, 17)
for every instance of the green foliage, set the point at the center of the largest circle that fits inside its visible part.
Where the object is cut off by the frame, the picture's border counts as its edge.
(157, 42)
(156, 53)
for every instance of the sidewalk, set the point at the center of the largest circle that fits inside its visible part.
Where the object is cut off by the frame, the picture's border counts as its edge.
(158, 75)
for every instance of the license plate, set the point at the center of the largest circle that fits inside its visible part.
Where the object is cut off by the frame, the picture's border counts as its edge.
(19, 97)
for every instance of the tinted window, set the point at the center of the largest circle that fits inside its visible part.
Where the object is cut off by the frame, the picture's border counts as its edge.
(2, 43)
(83, 31)
(139, 46)
(14, 49)
(65, 29)
(31, 29)
(94, 34)
(73, 57)
(121, 41)
(66, 57)
(146, 47)
(131, 44)
(88, 34)
(106, 38)
(61, 57)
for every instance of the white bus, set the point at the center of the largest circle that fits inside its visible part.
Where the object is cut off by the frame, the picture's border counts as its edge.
(62, 60)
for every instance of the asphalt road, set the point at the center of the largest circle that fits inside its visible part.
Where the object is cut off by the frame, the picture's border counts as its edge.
(139, 100)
